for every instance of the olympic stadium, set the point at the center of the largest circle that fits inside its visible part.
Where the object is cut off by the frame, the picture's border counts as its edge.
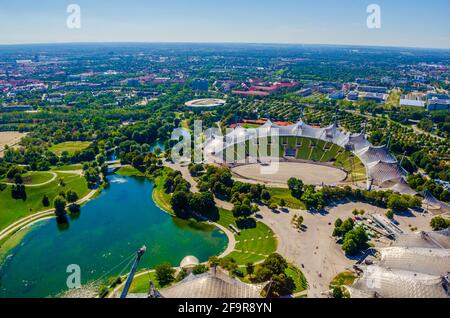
(328, 147)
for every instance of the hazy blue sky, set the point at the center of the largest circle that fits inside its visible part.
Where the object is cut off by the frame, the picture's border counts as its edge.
(404, 22)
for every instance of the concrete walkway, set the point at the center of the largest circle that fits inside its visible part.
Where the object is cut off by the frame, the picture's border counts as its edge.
(54, 176)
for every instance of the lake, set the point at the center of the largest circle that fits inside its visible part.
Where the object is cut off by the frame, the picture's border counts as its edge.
(109, 229)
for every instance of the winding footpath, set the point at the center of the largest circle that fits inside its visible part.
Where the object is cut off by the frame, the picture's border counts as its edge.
(53, 178)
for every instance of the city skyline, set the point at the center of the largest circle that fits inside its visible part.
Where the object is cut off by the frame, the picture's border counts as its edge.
(403, 23)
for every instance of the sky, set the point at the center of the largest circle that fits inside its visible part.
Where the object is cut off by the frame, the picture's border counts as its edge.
(404, 23)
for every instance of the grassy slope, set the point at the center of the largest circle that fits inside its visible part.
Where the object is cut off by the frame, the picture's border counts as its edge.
(67, 167)
(161, 198)
(12, 210)
(300, 281)
(252, 245)
(141, 284)
(34, 177)
(344, 278)
(70, 146)
(281, 193)
(129, 171)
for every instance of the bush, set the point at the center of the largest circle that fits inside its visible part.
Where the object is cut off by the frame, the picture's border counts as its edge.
(355, 241)
(296, 187)
(199, 269)
(390, 214)
(438, 223)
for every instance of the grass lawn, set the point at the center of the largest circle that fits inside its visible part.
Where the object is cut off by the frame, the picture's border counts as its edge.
(344, 278)
(67, 167)
(129, 171)
(12, 210)
(250, 126)
(34, 177)
(70, 146)
(252, 245)
(299, 279)
(161, 198)
(280, 193)
(141, 284)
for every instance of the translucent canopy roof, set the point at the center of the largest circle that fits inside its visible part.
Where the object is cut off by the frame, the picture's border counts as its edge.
(381, 165)
(213, 284)
(395, 283)
(433, 261)
(416, 266)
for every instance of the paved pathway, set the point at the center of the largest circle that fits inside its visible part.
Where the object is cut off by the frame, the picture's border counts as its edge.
(54, 176)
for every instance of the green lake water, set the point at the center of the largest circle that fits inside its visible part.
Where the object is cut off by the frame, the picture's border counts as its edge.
(109, 230)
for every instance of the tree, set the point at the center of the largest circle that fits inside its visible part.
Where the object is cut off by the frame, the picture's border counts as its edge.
(342, 228)
(199, 269)
(397, 203)
(18, 192)
(250, 267)
(202, 202)
(312, 199)
(181, 275)
(390, 214)
(438, 223)
(45, 201)
(282, 203)
(18, 178)
(213, 261)
(281, 285)
(60, 205)
(355, 240)
(300, 221)
(179, 202)
(265, 195)
(296, 187)
(13, 171)
(275, 263)
(71, 196)
(164, 274)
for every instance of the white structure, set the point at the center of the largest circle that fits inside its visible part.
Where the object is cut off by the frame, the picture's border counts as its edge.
(213, 284)
(416, 266)
(382, 169)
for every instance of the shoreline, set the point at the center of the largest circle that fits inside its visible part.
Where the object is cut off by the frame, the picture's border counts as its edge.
(230, 236)
(27, 222)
